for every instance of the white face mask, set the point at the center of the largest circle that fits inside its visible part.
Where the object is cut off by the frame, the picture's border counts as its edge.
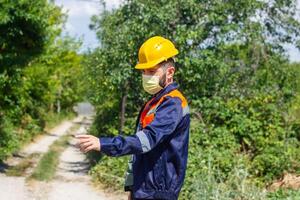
(151, 84)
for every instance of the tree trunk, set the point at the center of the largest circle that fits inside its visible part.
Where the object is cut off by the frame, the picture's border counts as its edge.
(123, 110)
(58, 106)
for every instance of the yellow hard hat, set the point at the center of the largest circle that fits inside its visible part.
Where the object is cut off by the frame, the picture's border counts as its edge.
(155, 50)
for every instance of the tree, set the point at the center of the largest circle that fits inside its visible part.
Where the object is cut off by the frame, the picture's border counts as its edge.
(232, 66)
(40, 71)
(26, 27)
(253, 31)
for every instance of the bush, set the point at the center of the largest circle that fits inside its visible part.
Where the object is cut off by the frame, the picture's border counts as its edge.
(254, 127)
(237, 146)
(110, 172)
(207, 183)
(8, 140)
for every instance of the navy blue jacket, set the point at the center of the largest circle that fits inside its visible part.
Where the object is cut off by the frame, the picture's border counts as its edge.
(160, 150)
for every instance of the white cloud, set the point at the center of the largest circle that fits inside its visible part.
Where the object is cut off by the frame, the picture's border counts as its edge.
(110, 4)
(79, 15)
(69, 27)
(78, 8)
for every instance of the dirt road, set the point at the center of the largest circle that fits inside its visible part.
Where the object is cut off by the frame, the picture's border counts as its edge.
(71, 180)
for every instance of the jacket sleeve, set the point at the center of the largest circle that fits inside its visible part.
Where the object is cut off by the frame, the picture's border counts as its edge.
(167, 117)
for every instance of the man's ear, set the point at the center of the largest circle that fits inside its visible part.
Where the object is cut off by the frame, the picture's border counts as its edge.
(170, 72)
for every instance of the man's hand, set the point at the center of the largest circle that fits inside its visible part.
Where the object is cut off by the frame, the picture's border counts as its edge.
(129, 196)
(87, 143)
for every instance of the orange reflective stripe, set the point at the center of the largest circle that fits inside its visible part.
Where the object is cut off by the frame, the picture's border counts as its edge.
(148, 119)
(175, 93)
(148, 114)
(145, 111)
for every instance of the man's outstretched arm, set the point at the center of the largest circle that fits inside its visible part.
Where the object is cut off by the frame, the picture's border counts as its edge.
(167, 118)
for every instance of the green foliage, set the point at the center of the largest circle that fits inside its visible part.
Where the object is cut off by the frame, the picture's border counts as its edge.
(252, 126)
(295, 108)
(207, 183)
(110, 172)
(40, 71)
(233, 69)
(221, 48)
(26, 28)
(219, 145)
(284, 195)
(8, 140)
(53, 118)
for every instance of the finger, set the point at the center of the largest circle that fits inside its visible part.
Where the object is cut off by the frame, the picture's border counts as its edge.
(82, 136)
(82, 148)
(84, 140)
(86, 144)
(80, 142)
(89, 148)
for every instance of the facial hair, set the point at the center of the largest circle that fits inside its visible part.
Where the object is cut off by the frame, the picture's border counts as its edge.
(162, 81)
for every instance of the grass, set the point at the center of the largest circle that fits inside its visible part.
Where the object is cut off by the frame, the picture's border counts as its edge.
(208, 185)
(284, 194)
(55, 118)
(110, 172)
(46, 168)
(21, 168)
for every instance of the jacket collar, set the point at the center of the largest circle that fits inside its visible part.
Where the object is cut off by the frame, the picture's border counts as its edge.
(164, 91)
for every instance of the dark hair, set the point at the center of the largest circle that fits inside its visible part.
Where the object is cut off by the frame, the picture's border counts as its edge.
(169, 62)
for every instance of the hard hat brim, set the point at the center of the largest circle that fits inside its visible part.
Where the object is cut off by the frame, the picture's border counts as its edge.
(153, 63)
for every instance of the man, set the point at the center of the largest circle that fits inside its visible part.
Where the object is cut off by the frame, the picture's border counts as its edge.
(159, 148)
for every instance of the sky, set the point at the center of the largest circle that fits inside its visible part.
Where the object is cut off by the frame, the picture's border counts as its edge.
(80, 12)
(79, 17)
